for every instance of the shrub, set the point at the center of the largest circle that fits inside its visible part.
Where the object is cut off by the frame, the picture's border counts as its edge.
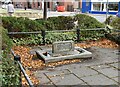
(85, 22)
(48, 25)
(21, 24)
(115, 23)
(10, 75)
(109, 19)
(62, 22)
(6, 41)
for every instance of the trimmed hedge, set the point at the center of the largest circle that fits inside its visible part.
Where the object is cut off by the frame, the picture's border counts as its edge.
(62, 22)
(113, 21)
(48, 25)
(14, 24)
(86, 22)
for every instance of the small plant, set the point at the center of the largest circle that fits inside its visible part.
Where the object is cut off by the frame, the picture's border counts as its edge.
(30, 40)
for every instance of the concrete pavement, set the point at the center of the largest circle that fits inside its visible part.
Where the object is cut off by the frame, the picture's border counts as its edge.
(102, 70)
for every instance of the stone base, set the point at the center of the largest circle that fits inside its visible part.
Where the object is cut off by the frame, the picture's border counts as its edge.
(47, 55)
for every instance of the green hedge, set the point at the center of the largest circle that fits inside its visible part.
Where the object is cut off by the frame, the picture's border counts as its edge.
(6, 41)
(113, 21)
(62, 22)
(48, 25)
(52, 23)
(10, 75)
(14, 24)
(86, 22)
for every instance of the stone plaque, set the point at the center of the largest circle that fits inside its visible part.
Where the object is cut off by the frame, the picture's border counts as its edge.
(62, 46)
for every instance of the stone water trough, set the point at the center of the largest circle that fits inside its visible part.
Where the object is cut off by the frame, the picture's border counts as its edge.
(62, 50)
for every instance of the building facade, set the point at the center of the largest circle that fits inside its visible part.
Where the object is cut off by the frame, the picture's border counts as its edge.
(101, 6)
(69, 5)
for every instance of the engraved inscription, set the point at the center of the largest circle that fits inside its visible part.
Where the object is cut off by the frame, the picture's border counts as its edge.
(64, 46)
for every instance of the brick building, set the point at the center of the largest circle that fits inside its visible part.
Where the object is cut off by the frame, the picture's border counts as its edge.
(69, 5)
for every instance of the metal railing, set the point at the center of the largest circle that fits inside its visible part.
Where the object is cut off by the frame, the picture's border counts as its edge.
(78, 32)
(17, 60)
(38, 32)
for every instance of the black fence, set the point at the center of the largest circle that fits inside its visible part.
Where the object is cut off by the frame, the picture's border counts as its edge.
(79, 33)
(17, 60)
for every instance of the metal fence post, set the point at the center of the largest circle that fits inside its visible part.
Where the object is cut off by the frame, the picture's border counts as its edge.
(17, 58)
(43, 36)
(78, 34)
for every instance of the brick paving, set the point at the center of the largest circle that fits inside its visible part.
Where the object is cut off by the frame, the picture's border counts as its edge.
(102, 70)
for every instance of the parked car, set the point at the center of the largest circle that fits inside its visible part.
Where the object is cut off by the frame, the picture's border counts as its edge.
(118, 14)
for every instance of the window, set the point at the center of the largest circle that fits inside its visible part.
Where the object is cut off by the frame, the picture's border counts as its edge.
(113, 6)
(96, 6)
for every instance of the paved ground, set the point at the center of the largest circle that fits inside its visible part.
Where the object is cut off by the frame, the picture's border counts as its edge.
(102, 70)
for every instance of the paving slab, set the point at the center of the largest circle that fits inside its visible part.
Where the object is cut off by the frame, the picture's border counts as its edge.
(57, 73)
(104, 86)
(50, 84)
(70, 66)
(64, 67)
(110, 72)
(98, 80)
(104, 54)
(83, 72)
(79, 85)
(43, 79)
(68, 79)
(115, 65)
(98, 67)
(116, 79)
